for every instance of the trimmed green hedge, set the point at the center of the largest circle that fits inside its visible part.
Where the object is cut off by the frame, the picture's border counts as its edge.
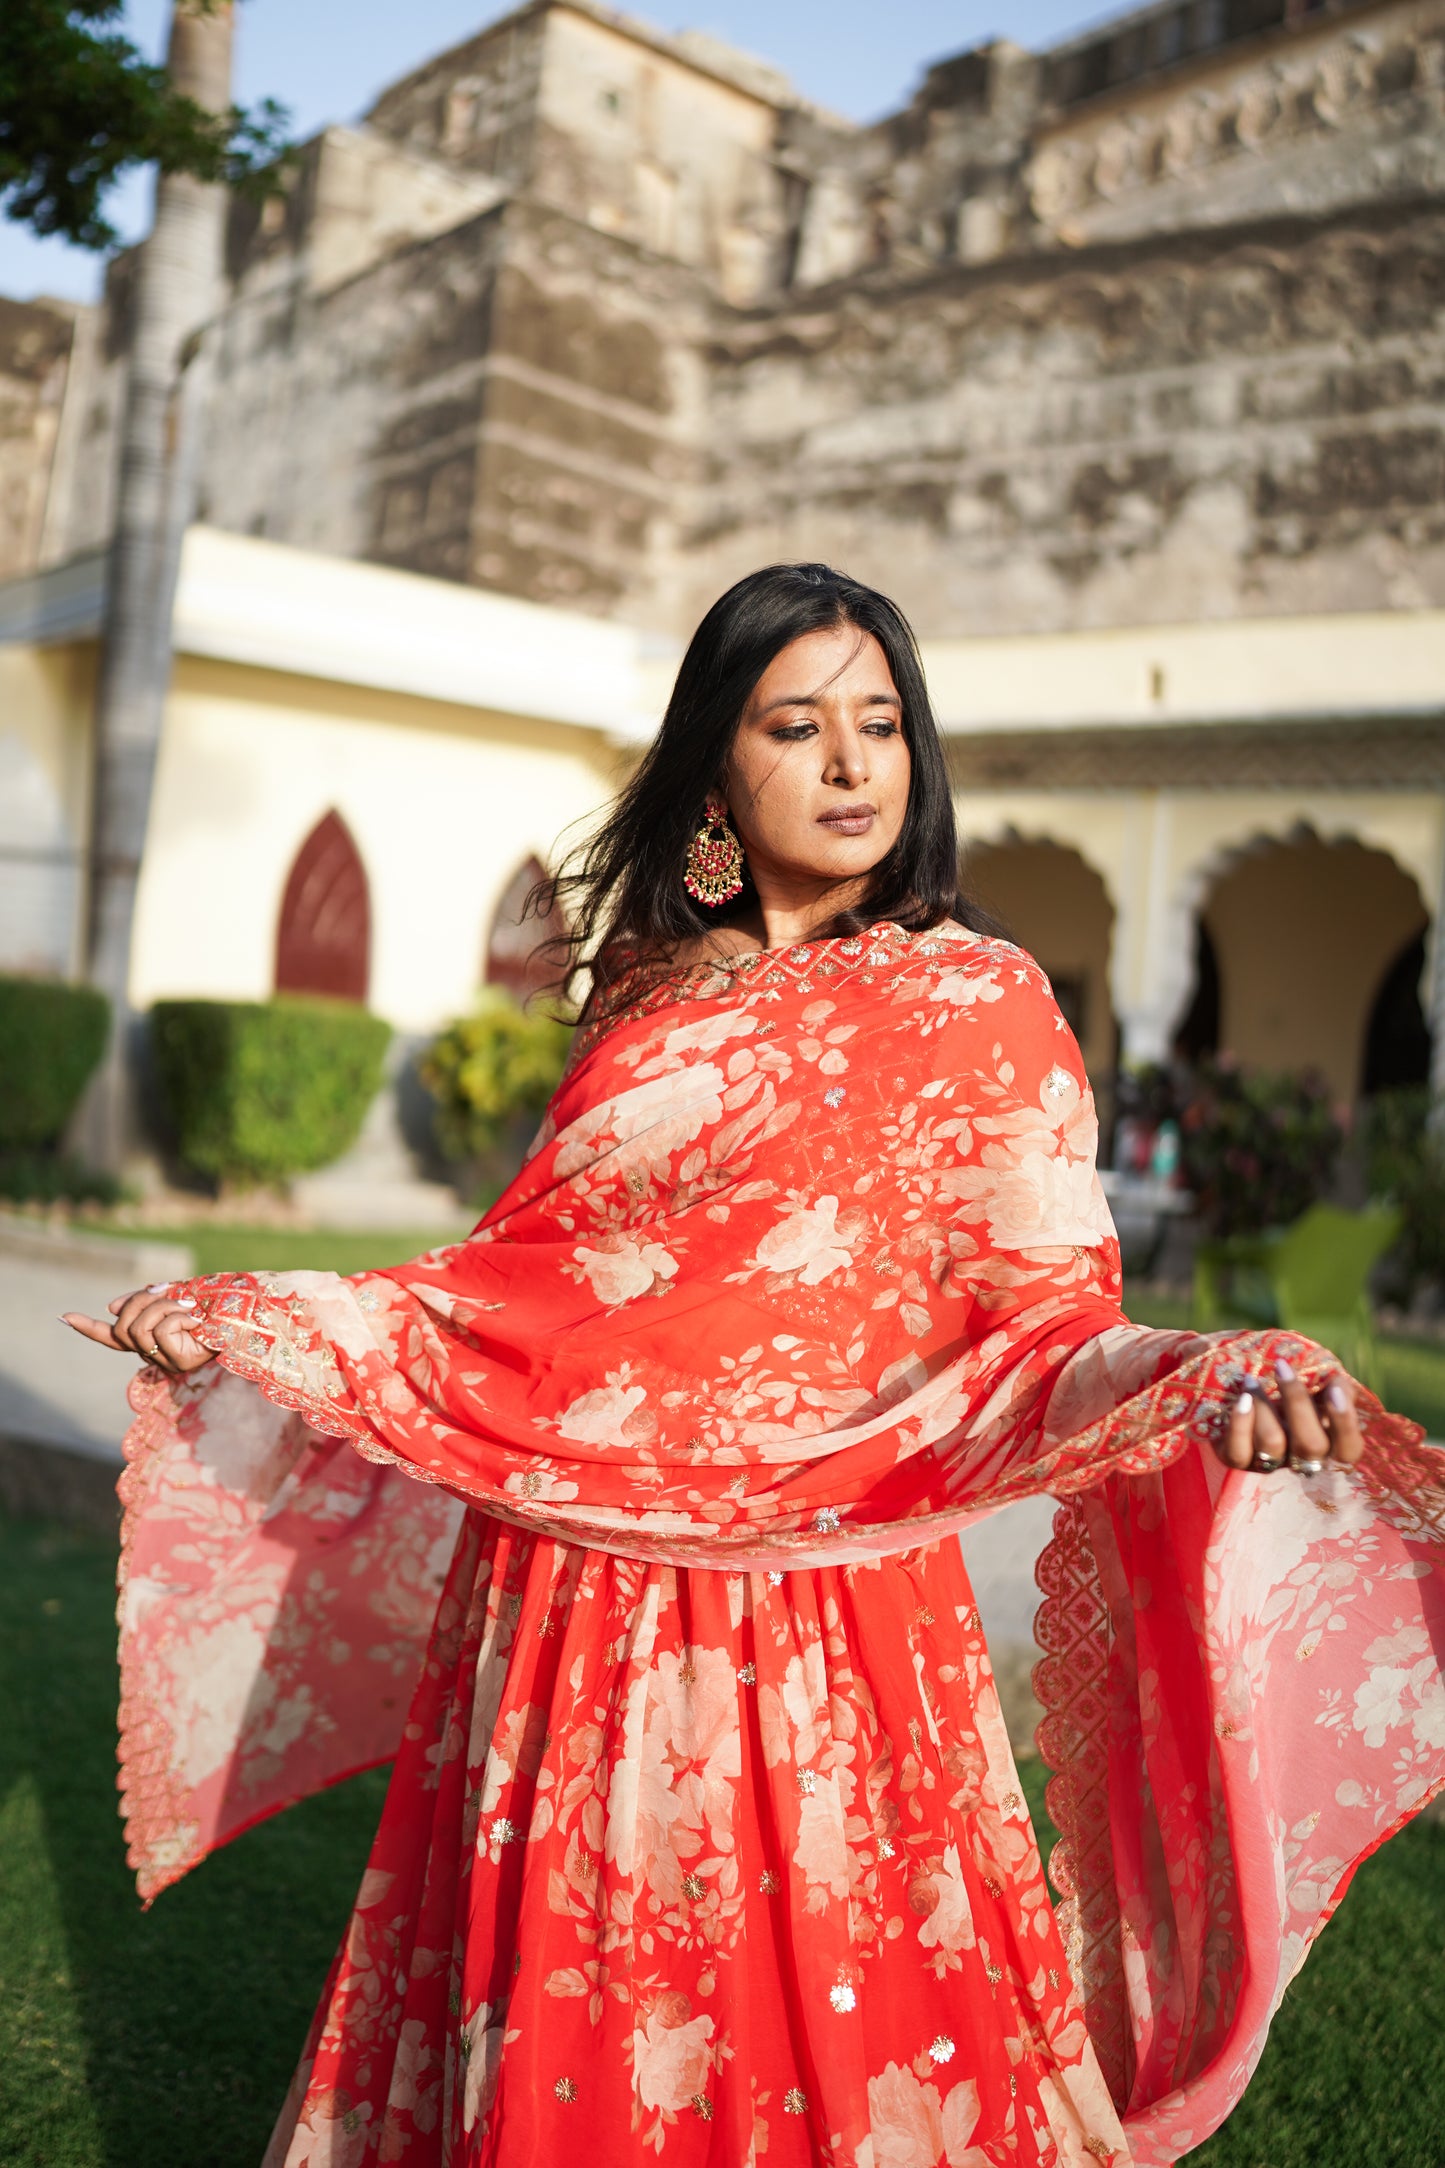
(52, 1037)
(260, 1090)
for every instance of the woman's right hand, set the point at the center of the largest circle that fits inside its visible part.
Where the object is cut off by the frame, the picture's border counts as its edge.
(151, 1323)
(1305, 1431)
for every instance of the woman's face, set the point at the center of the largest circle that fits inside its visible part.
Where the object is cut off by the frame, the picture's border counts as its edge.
(816, 780)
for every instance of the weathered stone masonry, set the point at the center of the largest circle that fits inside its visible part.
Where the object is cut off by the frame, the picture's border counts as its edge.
(1147, 328)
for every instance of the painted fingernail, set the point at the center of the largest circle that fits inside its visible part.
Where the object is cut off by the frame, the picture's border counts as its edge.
(185, 1302)
(1284, 1372)
(159, 1287)
(1245, 1404)
(1338, 1398)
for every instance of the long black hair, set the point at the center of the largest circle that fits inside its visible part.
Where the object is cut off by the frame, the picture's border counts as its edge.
(622, 890)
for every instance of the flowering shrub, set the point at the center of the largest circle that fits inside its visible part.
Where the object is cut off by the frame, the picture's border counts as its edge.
(1257, 1150)
(1404, 1159)
(490, 1071)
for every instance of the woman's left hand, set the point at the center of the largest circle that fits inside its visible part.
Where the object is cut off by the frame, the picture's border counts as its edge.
(1305, 1432)
(150, 1323)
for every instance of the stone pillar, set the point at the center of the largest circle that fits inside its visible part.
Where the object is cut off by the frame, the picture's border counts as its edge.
(1152, 964)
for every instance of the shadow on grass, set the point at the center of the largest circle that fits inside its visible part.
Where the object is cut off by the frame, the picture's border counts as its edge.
(139, 2040)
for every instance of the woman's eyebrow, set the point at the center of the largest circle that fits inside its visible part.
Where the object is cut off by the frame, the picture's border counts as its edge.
(805, 700)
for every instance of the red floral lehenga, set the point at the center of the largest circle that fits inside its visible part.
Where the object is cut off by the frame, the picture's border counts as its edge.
(704, 1839)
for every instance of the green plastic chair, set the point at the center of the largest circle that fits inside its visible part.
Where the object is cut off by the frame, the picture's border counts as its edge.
(1312, 1278)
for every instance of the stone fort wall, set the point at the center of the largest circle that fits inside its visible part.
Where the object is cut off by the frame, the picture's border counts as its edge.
(1148, 327)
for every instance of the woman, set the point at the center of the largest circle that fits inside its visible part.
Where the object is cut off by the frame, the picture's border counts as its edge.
(704, 1838)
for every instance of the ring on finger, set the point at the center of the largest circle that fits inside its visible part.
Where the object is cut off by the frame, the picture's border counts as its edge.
(1308, 1467)
(1264, 1463)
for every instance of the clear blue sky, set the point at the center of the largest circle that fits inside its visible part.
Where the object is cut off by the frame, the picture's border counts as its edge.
(327, 59)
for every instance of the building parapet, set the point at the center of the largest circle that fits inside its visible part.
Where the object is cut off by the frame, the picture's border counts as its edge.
(274, 607)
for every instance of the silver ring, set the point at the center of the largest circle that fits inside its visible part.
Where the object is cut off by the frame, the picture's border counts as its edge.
(1264, 1464)
(1308, 1467)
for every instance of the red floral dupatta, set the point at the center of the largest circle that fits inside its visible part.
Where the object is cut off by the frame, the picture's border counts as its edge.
(810, 1264)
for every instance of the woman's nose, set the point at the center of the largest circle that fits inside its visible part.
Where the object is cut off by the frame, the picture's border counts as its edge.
(847, 761)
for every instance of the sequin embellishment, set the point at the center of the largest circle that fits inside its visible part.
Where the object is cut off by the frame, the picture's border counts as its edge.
(942, 2049)
(566, 2091)
(842, 1998)
(795, 2101)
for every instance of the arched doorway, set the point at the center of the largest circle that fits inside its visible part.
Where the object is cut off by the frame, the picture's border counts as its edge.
(517, 956)
(1306, 933)
(1198, 1035)
(1053, 903)
(323, 938)
(1397, 1037)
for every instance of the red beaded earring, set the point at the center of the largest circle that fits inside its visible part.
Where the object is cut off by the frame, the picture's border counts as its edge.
(714, 859)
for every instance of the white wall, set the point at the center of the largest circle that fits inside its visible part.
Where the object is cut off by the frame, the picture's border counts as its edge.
(443, 803)
(1237, 670)
(44, 791)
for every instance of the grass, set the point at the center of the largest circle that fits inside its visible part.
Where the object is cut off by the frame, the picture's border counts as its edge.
(1353, 2072)
(166, 2039)
(1413, 1382)
(139, 2040)
(290, 1249)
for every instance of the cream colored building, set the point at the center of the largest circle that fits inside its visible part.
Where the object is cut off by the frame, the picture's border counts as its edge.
(1278, 782)
(456, 734)
(1260, 803)
(1117, 363)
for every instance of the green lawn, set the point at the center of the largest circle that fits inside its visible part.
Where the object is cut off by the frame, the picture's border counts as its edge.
(139, 2040)
(1354, 2072)
(286, 1249)
(166, 2039)
(1414, 1385)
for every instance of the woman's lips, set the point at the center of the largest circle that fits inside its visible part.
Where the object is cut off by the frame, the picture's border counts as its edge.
(854, 820)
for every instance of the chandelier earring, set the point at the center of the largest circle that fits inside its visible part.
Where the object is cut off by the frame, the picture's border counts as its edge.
(714, 858)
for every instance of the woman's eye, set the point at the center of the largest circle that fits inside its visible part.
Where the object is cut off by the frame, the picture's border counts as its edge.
(794, 730)
(884, 727)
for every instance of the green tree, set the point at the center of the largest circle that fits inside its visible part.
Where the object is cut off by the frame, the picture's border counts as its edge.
(79, 105)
